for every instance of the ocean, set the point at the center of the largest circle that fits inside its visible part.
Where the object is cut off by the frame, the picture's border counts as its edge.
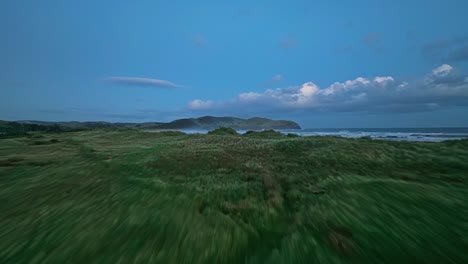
(433, 134)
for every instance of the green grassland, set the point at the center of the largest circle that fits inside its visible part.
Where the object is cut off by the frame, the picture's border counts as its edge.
(107, 196)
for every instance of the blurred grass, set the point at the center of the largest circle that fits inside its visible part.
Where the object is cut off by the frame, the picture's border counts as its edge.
(126, 196)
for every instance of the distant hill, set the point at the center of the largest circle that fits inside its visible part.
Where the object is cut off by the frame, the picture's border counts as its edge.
(205, 122)
(9, 128)
(75, 125)
(210, 122)
(258, 123)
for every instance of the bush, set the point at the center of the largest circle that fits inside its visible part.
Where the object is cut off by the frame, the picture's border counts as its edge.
(223, 131)
(264, 134)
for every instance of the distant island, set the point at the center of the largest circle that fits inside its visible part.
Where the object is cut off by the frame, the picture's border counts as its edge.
(201, 123)
(210, 122)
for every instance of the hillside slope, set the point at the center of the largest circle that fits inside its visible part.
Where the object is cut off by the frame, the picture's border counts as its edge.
(205, 122)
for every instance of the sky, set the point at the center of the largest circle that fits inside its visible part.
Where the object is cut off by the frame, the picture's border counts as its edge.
(328, 64)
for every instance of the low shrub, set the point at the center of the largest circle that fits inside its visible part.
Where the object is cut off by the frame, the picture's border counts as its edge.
(264, 134)
(223, 131)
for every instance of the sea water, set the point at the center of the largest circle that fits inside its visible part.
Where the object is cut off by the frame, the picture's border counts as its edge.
(435, 134)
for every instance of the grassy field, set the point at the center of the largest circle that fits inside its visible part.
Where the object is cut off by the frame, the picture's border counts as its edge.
(107, 196)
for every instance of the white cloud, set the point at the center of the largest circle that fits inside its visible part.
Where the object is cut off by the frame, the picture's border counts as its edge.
(381, 93)
(308, 89)
(442, 70)
(384, 79)
(248, 96)
(137, 81)
(306, 94)
(445, 74)
(403, 85)
(200, 104)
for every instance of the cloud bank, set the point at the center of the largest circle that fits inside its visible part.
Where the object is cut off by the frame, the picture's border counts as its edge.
(444, 86)
(136, 81)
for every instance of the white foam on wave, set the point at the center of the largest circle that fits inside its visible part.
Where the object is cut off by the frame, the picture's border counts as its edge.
(398, 136)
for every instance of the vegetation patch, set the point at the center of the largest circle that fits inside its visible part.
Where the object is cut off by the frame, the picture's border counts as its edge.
(263, 197)
(265, 134)
(223, 131)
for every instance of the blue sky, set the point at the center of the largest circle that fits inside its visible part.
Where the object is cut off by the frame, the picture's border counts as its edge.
(360, 63)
